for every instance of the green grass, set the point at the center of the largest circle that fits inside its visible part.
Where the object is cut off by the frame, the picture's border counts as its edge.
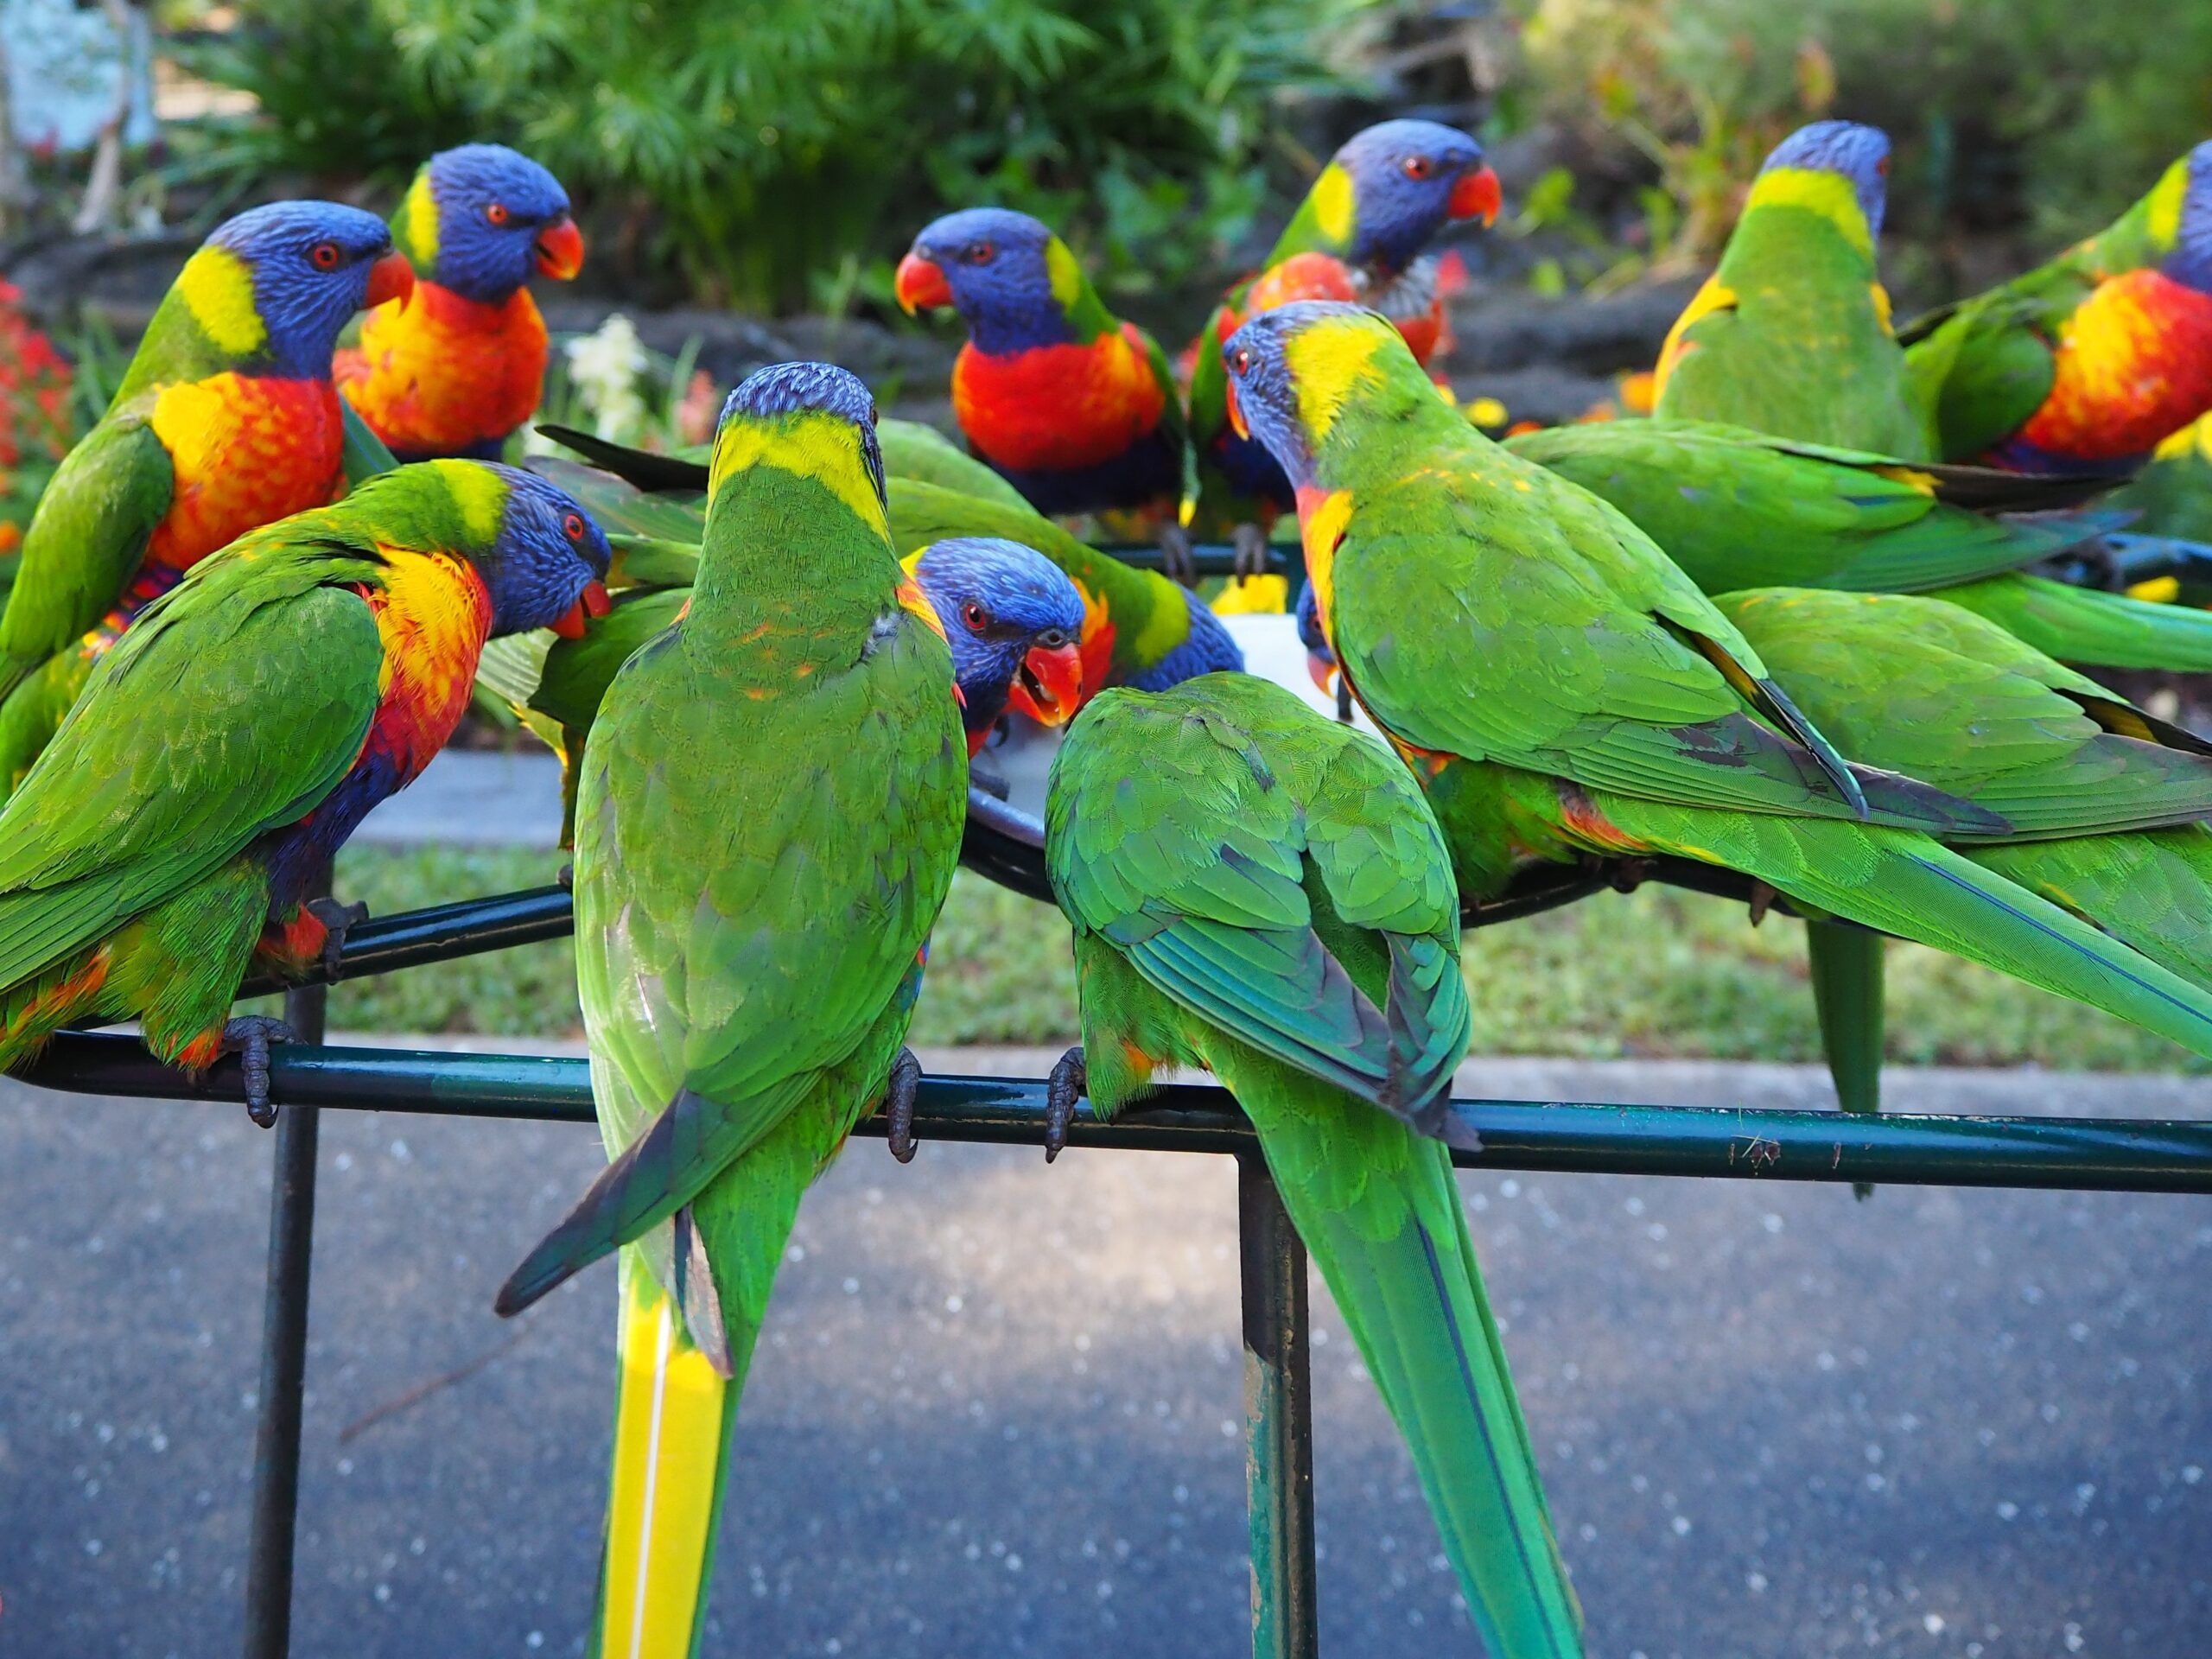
(1656, 973)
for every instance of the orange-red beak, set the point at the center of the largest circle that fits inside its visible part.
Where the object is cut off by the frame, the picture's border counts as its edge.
(921, 285)
(593, 602)
(1048, 685)
(1321, 668)
(1235, 411)
(1477, 196)
(390, 278)
(560, 250)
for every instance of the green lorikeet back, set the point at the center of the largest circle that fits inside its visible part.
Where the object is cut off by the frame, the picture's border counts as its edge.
(768, 816)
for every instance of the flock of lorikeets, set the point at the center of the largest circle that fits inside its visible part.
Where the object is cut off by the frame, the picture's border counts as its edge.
(1787, 624)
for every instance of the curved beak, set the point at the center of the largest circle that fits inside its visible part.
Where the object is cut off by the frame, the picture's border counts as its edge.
(1235, 411)
(1321, 668)
(390, 278)
(592, 602)
(920, 285)
(1477, 196)
(559, 250)
(1048, 685)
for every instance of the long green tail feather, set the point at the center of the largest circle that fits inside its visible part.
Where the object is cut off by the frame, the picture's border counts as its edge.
(1904, 884)
(2154, 890)
(2081, 625)
(1379, 1210)
(1846, 963)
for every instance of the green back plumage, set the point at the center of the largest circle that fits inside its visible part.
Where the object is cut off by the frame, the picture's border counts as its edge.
(1738, 509)
(1791, 335)
(1257, 890)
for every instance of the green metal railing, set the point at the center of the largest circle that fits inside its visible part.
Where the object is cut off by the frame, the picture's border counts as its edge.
(1711, 1141)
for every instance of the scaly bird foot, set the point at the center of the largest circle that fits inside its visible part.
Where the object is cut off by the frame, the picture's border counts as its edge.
(249, 1037)
(338, 920)
(984, 777)
(1069, 1083)
(1250, 543)
(1175, 561)
(899, 1103)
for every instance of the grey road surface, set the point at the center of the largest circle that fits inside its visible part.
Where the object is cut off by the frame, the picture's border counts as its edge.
(996, 1411)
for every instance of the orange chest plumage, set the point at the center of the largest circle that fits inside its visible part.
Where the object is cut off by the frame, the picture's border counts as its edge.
(439, 374)
(1055, 408)
(433, 615)
(2133, 363)
(244, 451)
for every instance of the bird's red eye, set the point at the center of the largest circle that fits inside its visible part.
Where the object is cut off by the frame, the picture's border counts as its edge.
(324, 256)
(974, 615)
(1416, 166)
(572, 526)
(1882, 167)
(1241, 360)
(982, 253)
(496, 212)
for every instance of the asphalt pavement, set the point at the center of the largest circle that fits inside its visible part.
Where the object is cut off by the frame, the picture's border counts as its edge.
(997, 1408)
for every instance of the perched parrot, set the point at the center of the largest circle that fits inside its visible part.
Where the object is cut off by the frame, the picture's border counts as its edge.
(1139, 628)
(1792, 334)
(2102, 799)
(1012, 618)
(1562, 690)
(1738, 509)
(1077, 408)
(227, 745)
(225, 420)
(768, 823)
(1791, 337)
(2088, 362)
(455, 367)
(1362, 233)
(1260, 892)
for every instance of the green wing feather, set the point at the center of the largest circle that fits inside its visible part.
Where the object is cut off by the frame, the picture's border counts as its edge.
(1225, 839)
(261, 681)
(1737, 510)
(1573, 647)
(85, 539)
(2081, 625)
(1926, 688)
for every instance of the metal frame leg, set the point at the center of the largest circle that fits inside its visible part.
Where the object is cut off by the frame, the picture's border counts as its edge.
(283, 1355)
(1278, 1418)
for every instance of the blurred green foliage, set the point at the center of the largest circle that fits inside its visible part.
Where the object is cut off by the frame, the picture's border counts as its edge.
(777, 154)
(2039, 113)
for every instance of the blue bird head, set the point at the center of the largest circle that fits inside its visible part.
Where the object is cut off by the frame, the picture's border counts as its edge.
(2189, 261)
(312, 265)
(1408, 178)
(1860, 154)
(482, 220)
(803, 388)
(547, 566)
(1009, 276)
(1015, 622)
(1264, 400)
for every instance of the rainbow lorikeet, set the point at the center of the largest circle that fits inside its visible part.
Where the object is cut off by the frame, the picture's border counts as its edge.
(295, 679)
(1139, 629)
(457, 366)
(1260, 892)
(2088, 362)
(2100, 799)
(767, 823)
(225, 420)
(1361, 233)
(1010, 617)
(1074, 407)
(1562, 690)
(1791, 334)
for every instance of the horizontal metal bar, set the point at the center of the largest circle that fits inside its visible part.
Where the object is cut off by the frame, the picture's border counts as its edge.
(2090, 1155)
(475, 926)
(438, 933)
